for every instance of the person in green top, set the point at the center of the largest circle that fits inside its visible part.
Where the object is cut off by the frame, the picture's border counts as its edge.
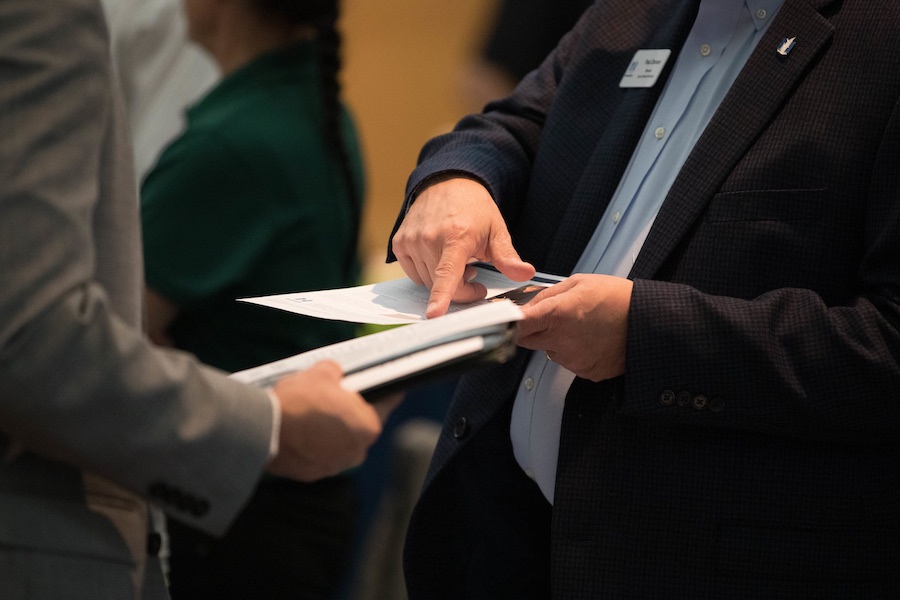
(260, 195)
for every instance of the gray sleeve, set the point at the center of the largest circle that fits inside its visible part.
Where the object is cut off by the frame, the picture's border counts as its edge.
(79, 383)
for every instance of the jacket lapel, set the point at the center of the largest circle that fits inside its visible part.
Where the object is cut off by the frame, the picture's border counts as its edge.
(763, 85)
(629, 110)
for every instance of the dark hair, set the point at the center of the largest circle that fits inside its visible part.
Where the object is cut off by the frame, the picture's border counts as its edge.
(323, 16)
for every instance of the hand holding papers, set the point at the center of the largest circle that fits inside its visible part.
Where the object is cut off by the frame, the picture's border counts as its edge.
(383, 362)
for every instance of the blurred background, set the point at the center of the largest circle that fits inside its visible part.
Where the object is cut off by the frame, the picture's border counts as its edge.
(405, 66)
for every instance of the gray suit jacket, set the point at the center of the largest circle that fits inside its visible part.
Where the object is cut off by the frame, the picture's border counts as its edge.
(85, 400)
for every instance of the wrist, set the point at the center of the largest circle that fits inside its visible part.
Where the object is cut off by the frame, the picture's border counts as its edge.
(440, 177)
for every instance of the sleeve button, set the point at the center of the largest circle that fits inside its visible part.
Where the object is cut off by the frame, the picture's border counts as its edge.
(667, 398)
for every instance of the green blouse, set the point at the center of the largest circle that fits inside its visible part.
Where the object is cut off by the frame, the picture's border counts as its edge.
(249, 201)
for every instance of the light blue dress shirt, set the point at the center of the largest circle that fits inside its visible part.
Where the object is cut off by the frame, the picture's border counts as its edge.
(719, 44)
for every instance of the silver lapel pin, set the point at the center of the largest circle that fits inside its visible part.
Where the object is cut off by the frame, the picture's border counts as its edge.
(787, 44)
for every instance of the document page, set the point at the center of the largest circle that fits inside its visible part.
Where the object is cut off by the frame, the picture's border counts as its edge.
(396, 301)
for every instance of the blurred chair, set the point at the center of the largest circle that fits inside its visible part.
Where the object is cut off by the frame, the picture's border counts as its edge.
(380, 573)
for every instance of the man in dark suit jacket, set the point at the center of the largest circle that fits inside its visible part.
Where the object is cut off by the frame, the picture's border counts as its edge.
(732, 431)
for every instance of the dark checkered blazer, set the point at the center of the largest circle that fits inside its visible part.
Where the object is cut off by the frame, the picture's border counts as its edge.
(752, 448)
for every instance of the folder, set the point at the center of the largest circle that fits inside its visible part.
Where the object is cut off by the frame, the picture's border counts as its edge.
(396, 359)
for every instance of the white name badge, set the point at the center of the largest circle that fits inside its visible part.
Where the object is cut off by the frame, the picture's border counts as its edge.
(644, 69)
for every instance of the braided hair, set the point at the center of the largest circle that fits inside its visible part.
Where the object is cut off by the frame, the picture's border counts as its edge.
(323, 15)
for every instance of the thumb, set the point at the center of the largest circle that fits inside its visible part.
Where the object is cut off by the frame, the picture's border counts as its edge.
(507, 260)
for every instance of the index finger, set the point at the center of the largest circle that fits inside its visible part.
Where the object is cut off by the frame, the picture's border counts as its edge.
(449, 282)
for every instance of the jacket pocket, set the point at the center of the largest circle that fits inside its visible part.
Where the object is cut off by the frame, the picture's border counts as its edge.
(766, 205)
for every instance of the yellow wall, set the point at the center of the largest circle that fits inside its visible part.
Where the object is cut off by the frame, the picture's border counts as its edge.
(403, 63)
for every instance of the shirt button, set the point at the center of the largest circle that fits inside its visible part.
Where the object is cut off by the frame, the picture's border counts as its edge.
(705, 50)
(660, 132)
(529, 384)
(761, 14)
(617, 217)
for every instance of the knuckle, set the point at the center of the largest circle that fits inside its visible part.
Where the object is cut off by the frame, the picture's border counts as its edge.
(443, 269)
(430, 236)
